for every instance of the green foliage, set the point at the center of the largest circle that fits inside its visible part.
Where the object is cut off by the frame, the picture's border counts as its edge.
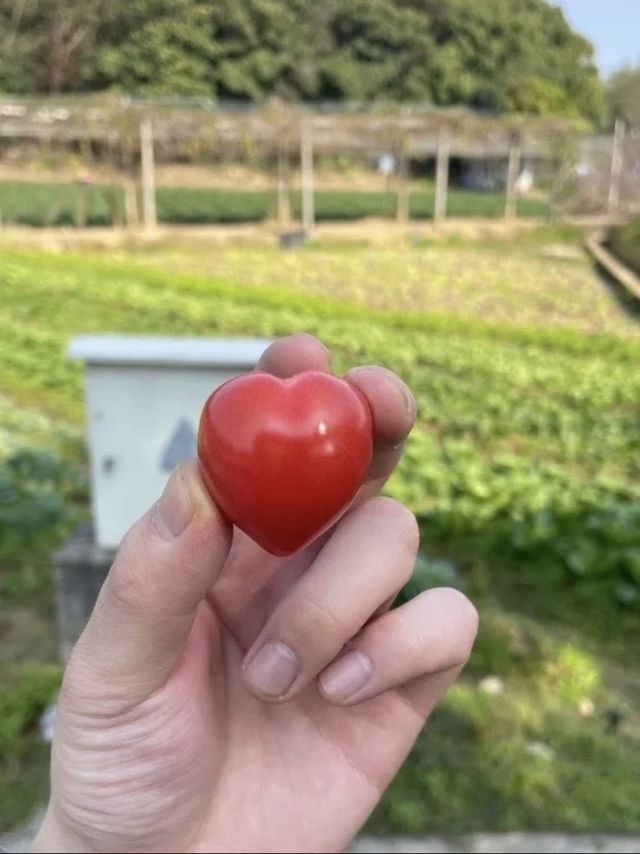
(513, 283)
(157, 47)
(44, 46)
(39, 495)
(27, 689)
(625, 242)
(519, 759)
(524, 727)
(623, 95)
(22, 428)
(502, 55)
(192, 205)
(56, 204)
(527, 446)
(546, 520)
(572, 676)
(514, 55)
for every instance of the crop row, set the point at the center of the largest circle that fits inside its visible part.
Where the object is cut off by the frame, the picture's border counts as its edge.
(56, 204)
(524, 453)
(520, 284)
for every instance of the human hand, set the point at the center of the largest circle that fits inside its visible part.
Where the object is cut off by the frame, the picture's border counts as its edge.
(179, 730)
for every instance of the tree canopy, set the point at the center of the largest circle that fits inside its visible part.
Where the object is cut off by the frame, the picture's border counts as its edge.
(501, 55)
(623, 95)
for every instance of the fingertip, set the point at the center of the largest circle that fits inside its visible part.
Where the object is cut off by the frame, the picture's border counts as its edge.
(392, 403)
(462, 609)
(293, 354)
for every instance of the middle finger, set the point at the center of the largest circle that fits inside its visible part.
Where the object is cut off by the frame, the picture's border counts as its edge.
(368, 558)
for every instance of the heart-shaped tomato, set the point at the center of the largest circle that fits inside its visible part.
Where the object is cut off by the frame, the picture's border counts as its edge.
(283, 459)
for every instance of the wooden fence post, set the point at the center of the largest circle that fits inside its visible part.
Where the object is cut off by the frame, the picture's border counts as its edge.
(402, 204)
(284, 199)
(617, 161)
(306, 170)
(513, 169)
(442, 175)
(131, 216)
(148, 174)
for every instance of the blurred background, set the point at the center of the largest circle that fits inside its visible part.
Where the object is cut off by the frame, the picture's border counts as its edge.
(450, 188)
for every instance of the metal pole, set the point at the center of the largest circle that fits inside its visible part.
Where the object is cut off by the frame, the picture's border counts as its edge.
(442, 176)
(306, 168)
(148, 176)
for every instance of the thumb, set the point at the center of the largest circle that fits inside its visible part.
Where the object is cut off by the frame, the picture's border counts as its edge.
(164, 567)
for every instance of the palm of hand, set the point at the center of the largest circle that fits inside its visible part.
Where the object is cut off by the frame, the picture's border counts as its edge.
(229, 772)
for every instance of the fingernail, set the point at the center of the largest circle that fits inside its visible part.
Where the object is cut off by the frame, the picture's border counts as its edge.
(407, 397)
(174, 510)
(346, 676)
(272, 670)
(400, 387)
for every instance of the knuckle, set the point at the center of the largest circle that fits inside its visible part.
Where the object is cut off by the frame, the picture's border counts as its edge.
(127, 584)
(313, 628)
(316, 618)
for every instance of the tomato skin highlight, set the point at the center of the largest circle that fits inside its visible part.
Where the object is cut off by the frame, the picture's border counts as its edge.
(283, 459)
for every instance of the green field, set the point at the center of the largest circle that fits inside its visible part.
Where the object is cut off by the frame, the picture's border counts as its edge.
(59, 204)
(513, 283)
(523, 471)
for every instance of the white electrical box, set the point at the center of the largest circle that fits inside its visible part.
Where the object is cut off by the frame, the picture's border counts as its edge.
(144, 397)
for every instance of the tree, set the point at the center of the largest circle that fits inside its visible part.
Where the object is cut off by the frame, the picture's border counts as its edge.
(513, 55)
(156, 47)
(16, 46)
(265, 47)
(502, 55)
(623, 95)
(43, 43)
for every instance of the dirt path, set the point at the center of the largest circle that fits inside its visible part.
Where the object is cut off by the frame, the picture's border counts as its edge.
(374, 231)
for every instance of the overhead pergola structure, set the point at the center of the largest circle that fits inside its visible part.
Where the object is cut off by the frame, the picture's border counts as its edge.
(134, 130)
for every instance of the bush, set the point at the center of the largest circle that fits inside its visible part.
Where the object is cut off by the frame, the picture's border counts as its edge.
(60, 204)
(27, 689)
(39, 498)
(56, 204)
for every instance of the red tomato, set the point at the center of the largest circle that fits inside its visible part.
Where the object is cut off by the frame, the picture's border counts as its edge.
(283, 459)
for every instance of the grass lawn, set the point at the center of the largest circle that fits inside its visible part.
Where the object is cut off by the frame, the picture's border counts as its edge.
(523, 472)
(49, 204)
